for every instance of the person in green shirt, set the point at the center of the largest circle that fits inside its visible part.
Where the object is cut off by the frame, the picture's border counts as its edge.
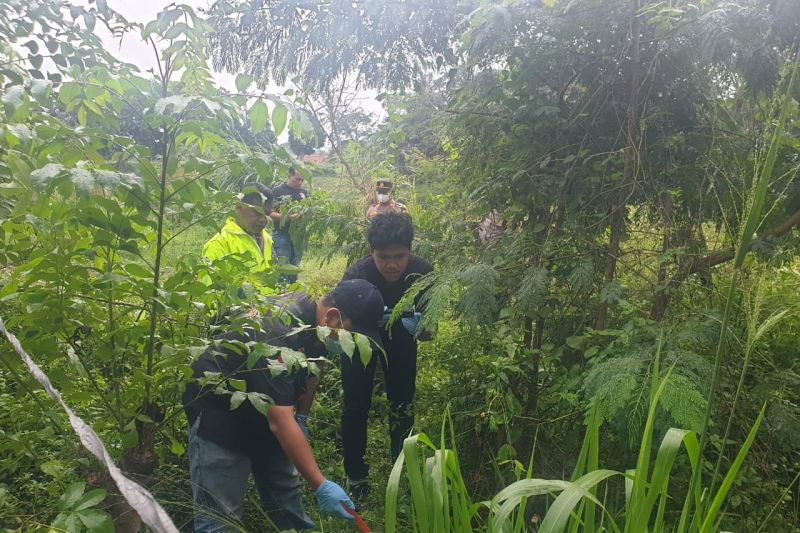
(243, 247)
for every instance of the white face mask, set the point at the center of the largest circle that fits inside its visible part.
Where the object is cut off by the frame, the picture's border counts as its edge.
(383, 198)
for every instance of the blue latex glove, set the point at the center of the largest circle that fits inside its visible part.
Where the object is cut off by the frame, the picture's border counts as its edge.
(412, 323)
(302, 421)
(330, 498)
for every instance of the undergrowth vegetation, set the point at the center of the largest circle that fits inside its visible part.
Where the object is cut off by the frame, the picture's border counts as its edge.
(607, 190)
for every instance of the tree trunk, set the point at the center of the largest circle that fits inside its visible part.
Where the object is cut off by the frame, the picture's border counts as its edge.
(662, 290)
(618, 212)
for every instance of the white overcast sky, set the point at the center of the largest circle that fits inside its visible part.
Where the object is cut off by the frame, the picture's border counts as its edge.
(134, 50)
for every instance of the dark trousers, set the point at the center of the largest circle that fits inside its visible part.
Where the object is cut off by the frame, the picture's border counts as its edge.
(400, 372)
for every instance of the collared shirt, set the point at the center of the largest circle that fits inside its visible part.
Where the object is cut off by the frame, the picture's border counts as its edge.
(382, 209)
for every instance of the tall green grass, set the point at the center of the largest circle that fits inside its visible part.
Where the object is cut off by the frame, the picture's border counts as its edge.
(440, 501)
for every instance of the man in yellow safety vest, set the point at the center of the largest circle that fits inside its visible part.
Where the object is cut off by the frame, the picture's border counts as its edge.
(243, 248)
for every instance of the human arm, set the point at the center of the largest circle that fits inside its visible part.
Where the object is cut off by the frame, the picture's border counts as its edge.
(303, 403)
(330, 496)
(277, 217)
(306, 396)
(283, 425)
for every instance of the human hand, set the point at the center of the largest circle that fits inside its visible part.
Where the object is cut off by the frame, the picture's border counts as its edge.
(332, 499)
(302, 421)
(411, 324)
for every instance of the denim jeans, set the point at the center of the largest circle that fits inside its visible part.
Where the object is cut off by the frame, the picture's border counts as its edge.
(219, 484)
(284, 251)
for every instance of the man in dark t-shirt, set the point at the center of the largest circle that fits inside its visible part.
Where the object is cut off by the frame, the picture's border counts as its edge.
(283, 248)
(234, 432)
(392, 268)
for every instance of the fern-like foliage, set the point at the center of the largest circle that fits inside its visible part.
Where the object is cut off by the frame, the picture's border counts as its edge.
(533, 290)
(619, 378)
(470, 291)
(582, 276)
(478, 302)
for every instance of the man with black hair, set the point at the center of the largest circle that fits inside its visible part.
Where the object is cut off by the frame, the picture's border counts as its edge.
(285, 249)
(392, 268)
(231, 437)
(243, 243)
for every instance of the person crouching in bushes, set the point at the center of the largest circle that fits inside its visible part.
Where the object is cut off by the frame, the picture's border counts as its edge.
(262, 430)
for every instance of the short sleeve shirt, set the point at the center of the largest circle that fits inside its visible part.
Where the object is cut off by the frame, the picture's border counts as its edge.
(245, 428)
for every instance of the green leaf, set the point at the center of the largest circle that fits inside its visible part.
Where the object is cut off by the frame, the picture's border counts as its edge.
(73, 494)
(137, 270)
(260, 401)
(364, 347)
(39, 88)
(13, 98)
(82, 115)
(346, 342)
(177, 448)
(243, 81)
(32, 45)
(710, 519)
(237, 398)
(90, 20)
(69, 91)
(279, 116)
(149, 28)
(72, 523)
(258, 116)
(559, 513)
(96, 521)
(323, 332)
(47, 172)
(130, 438)
(36, 60)
(53, 468)
(576, 342)
(90, 499)
(176, 102)
(238, 384)
(175, 31)
(167, 17)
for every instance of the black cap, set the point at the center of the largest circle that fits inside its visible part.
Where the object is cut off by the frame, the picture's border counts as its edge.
(383, 184)
(362, 302)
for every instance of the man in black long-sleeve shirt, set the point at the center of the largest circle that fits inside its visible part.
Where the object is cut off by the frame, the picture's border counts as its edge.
(392, 268)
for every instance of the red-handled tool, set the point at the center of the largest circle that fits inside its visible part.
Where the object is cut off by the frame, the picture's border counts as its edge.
(359, 521)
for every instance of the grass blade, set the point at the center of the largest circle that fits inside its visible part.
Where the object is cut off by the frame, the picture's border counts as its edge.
(716, 504)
